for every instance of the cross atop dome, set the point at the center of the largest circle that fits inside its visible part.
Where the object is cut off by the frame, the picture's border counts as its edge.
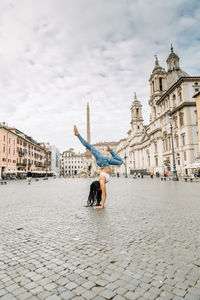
(135, 97)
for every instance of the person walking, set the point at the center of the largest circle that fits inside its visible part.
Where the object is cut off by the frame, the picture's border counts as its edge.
(103, 162)
(29, 177)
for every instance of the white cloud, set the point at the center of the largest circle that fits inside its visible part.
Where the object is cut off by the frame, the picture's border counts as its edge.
(55, 56)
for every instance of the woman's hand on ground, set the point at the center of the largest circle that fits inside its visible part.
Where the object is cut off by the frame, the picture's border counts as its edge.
(76, 130)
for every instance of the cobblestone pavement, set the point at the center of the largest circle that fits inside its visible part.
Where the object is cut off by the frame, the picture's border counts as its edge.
(145, 244)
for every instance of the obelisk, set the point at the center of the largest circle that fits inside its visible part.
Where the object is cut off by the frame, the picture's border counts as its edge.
(88, 153)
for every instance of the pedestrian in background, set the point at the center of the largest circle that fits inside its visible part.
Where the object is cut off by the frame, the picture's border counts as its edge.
(29, 177)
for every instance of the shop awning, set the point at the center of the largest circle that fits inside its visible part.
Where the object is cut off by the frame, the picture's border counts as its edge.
(193, 166)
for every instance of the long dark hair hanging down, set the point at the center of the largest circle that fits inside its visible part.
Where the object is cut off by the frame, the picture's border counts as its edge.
(94, 197)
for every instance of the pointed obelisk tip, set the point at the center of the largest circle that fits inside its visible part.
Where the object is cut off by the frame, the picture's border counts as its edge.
(88, 125)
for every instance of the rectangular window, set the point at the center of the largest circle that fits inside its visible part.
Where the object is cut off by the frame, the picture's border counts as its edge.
(14, 142)
(175, 122)
(9, 140)
(177, 143)
(4, 138)
(183, 139)
(4, 149)
(169, 143)
(184, 155)
(160, 83)
(9, 150)
(155, 146)
(181, 120)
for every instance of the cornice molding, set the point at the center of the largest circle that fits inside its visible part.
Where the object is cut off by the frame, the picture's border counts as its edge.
(176, 84)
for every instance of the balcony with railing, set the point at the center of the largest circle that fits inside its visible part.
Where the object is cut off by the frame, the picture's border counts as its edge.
(20, 153)
(47, 163)
(39, 164)
(21, 164)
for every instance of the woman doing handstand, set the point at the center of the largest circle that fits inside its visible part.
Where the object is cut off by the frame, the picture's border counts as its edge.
(103, 162)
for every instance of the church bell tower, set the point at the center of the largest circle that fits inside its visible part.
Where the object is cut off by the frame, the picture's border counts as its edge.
(136, 116)
(158, 86)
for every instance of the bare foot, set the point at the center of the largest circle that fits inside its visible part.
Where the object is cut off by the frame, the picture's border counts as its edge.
(108, 147)
(76, 130)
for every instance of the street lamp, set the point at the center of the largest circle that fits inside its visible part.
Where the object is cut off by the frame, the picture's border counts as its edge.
(125, 157)
(175, 175)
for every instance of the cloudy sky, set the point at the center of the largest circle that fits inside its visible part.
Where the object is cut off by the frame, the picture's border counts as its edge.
(57, 55)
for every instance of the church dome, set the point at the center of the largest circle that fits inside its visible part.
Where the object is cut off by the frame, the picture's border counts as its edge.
(172, 56)
(174, 71)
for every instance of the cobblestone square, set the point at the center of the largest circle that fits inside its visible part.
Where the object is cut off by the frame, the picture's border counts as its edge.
(145, 244)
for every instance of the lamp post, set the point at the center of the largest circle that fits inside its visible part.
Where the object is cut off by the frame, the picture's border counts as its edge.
(125, 157)
(175, 175)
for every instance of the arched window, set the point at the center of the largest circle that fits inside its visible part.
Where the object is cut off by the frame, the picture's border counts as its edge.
(153, 86)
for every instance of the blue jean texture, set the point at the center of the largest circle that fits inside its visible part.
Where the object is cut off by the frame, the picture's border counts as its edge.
(101, 160)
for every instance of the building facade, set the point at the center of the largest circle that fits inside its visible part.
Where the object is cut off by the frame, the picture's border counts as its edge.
(149, 147)
(19, 152)
(8, 150)
(55, 160)
(72, 163)
(197, 97)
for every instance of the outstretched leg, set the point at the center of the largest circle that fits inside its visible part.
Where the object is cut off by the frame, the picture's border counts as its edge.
(92, 149)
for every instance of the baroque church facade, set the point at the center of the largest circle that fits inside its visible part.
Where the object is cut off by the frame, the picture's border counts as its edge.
(149, 147)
